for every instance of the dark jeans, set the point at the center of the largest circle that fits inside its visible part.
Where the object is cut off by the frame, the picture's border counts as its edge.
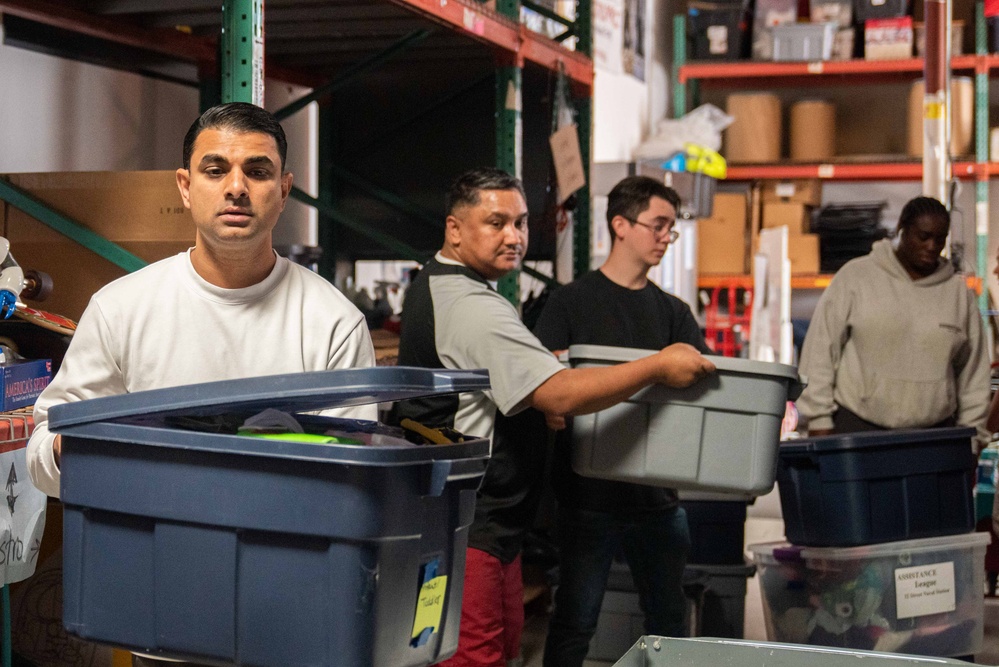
(845, 421)
(656, 547)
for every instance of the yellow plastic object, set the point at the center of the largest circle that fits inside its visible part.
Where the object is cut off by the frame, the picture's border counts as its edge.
(706, 161)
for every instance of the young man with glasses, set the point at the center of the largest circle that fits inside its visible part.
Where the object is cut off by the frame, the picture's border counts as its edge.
(617, 305)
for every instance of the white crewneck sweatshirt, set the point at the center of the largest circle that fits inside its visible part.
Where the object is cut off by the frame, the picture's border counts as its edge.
(165, 326)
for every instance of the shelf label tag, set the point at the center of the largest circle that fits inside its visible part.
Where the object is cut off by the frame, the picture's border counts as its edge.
(827, 170)
(925, 590)
(815, 67)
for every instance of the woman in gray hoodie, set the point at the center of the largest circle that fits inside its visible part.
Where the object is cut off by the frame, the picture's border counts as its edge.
(896, 340)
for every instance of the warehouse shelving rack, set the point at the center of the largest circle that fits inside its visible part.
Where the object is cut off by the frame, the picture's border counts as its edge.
(758, 74)
(439, 68)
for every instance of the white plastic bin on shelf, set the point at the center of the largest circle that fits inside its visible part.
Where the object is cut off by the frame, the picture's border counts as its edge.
(803, 41)
(922, 597)
(720, 434)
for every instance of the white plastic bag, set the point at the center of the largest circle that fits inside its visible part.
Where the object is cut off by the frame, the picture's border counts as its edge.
(702, 126)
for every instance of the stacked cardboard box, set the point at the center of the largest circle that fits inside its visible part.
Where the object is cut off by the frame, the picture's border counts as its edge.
(140, 211)
(721, 239)
(790, 204)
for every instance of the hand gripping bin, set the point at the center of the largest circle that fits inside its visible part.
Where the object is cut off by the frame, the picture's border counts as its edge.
(651, 651)
(226, 549)
(720, 434)
(881, 486)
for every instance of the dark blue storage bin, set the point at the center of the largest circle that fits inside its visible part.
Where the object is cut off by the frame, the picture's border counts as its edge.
(883, 486)
(717, 531)
(226, 549)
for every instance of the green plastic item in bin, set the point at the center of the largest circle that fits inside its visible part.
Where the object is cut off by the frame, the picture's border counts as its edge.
(652, 651)
(303, 437)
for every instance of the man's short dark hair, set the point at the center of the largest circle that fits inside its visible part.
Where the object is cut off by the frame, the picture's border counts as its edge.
(630, 198)
(239, 117)
(466, 188)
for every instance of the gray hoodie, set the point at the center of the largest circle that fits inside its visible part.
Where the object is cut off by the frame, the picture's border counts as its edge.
(898, 352)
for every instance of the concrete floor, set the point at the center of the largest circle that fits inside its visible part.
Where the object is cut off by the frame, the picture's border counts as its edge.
(763, 525)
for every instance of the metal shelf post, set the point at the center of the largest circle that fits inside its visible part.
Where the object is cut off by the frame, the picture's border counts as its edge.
(242, 61)
(509, 134)
(982, 156)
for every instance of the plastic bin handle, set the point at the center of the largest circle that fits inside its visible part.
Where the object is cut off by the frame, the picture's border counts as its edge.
(464, 472)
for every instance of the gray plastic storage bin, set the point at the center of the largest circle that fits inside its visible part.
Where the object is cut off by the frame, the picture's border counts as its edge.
(803, 41)
(652, 651)
(227, 549)
(721, 434)
(716, 600)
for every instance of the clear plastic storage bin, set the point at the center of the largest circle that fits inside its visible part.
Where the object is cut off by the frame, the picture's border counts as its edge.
(923, 597)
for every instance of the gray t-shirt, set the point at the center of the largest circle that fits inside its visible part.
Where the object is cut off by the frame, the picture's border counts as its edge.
(454, 319)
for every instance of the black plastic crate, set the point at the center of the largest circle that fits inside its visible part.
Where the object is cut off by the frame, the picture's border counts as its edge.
(883, 486)
(879, 9)
(718, 31)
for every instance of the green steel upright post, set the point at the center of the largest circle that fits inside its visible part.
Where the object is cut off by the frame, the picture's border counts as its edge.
(242, 62)
(982, 157)
(509, 133)
(584, 120)
(679, 59)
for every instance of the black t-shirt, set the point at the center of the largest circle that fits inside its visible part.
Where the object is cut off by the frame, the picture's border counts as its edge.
(594, 310)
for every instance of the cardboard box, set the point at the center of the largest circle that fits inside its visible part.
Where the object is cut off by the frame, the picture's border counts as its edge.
(721, 239)
(140, 211)
(794, 216)
(888, 38)
(803, 251)
(801, 191)
(755, 134)
(23, 381)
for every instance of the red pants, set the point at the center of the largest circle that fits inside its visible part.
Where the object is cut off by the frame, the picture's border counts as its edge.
(492, 612)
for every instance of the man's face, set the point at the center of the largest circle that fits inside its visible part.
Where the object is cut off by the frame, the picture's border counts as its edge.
(640, 236)
(234, 188)
(491, 236)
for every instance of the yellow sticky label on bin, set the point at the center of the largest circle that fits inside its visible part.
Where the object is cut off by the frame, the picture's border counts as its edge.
(933, 110)
(430, 605)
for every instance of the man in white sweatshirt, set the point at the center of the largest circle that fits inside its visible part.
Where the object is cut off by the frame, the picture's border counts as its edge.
(227, 308)
(897, 340)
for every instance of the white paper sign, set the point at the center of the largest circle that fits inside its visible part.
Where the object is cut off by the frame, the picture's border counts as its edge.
(608, 35)
(925, 589)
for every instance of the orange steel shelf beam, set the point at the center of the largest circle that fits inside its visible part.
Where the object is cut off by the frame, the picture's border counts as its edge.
(882, 171)
(801, 281)
(745, 280)
(509, 36)
(759, 69)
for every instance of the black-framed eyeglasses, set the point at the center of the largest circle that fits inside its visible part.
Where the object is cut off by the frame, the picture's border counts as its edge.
(660, 229)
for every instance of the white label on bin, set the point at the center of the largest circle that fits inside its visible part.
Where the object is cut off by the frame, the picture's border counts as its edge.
(717, 39)
(925, 589)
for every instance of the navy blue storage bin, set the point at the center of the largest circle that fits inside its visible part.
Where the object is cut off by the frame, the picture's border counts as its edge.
(883, 486)
(225, 549)
(717, 531)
